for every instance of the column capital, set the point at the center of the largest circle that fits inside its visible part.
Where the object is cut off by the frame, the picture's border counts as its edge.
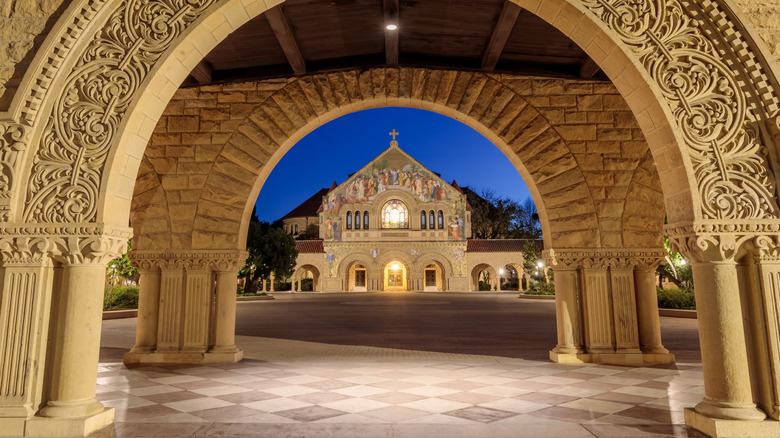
(72, 244)
(723, 241)
(603, 258)
(218, 261)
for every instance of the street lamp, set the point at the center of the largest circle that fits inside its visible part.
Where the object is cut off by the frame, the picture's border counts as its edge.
(500, 277)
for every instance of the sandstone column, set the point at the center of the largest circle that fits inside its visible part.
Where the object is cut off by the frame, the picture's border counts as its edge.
(597, 308)
(624, 306)
(73, 408)
(727, 387)
(148, 306)
(647, 310)
(225, 312)
(567, 307)
(27, 279)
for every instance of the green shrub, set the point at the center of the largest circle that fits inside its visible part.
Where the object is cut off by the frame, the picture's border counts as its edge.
(676, 299)
(307, 284)
(239, 289)
(282, 285)
(510, 284)
(484, 286)
(120, 297)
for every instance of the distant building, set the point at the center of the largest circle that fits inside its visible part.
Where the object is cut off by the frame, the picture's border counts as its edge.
(395, 225)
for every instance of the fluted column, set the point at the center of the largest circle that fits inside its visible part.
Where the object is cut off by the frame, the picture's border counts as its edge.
(28, 276)
(624, 306)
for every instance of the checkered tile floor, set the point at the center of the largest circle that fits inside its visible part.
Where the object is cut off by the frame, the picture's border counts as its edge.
(400, 397)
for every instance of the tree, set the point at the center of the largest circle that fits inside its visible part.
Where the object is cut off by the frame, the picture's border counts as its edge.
(502, 218)
(532, 254)
(676, 269)
(121, 267)
(271, 250)
(311, 232)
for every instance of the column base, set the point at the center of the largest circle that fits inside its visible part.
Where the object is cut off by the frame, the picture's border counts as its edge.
(76, 426)
(135, 359)
(636, 359)
(716, 427)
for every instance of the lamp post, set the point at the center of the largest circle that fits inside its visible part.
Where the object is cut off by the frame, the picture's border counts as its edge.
(500, 277)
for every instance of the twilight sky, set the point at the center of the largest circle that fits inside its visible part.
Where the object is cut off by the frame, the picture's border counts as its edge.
(343, 146)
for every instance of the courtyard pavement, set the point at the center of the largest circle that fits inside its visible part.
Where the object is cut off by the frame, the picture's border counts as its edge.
(399, 365)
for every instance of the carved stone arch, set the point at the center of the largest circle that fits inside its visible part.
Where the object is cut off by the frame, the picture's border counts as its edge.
(385, 257)
(426, 259)
(382, 198)
(316, 275)
(476, 270)
(362, 259)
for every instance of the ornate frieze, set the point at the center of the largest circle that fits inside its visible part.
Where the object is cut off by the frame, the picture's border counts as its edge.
(601, 259)
(66, 244)
(218, 261)
(720, 241)
(706, 97)
(69, 165)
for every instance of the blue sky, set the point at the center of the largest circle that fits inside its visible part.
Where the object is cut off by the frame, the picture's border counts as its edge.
(343, 146)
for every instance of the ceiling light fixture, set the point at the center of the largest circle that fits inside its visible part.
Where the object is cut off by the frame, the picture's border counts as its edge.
(391, 27)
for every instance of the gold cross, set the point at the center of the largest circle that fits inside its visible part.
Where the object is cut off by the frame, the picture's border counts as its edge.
(393, 133)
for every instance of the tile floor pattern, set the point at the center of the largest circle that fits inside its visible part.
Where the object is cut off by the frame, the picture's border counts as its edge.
(455, 397)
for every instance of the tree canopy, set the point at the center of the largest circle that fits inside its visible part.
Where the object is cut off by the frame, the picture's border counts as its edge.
(271, 250)
(493, 217)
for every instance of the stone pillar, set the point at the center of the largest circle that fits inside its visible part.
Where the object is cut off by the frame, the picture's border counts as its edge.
(567, 315)
(647, 310)
(148, 307)
(72, 407)
(727, 386)
(271, 286)
(28, 276)
(624, 307)
(767, 329)
(225, 312)
(597, 308)
(195, 318)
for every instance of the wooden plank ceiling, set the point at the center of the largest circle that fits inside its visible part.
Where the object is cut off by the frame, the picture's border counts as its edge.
(305, 36)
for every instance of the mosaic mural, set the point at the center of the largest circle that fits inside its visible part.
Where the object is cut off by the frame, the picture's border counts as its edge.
(393, 170)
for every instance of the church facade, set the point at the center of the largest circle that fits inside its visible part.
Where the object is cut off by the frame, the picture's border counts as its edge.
(397, 226)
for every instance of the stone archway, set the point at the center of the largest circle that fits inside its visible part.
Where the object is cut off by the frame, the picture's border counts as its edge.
(443, 268)
(692, 75)
(483, 273)
(307, 272)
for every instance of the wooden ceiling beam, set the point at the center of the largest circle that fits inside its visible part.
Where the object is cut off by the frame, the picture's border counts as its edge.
(202, 72)
(284, 34)
(506, 21)
(391, 15)
(588, 68)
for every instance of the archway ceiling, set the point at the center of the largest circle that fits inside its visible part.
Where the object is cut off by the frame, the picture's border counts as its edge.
(305, 36)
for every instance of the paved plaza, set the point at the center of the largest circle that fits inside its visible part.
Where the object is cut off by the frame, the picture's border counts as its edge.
(399, 365)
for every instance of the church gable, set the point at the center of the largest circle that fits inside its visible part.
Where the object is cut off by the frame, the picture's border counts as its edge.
(392, 169)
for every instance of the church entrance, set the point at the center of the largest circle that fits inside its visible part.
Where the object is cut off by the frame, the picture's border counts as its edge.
(395, 276)
(357, 278)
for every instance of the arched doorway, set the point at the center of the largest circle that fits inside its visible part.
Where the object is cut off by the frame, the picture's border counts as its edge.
(357, 280)
(433, 278)
(306, 279)
(483, 278)
(395, 276)
(719, 213)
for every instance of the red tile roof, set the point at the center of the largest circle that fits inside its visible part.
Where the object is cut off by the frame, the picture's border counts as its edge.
(309, 207)
(308, 246)
(497, 245)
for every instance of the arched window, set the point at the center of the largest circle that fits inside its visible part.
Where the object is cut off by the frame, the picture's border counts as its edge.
(357, 220)
(296, 228)
(349, 220)
(441, 219)
(431, 221)
(422, 220)
(365, 220)
(395, 215)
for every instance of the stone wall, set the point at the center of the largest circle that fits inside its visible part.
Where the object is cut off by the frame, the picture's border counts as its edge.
(575, 141)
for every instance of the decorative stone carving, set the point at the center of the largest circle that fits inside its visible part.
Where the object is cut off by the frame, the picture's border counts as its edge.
(720, 241)
(570, 259)
(13, 142)
(731, 167)
(68, 167)
(67, 244)
(218, 261)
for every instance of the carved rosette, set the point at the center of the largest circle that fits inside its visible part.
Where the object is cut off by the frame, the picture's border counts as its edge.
(70, 162)
(603, 259)
(217, 261)
(731, 167)
(70, 245)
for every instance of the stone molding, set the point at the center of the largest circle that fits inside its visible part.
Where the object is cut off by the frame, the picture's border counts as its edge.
(704, 241)
(14, 140)
(69, 244)
(68, 169)
(677, 42)
(218, 261)
(602, 259)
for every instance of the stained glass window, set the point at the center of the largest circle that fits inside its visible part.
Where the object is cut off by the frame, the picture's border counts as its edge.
(365, 220)
(431, 223)
(422, 220)
(441, 219)
(349, 220)
(357, 220)
(395, 215)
